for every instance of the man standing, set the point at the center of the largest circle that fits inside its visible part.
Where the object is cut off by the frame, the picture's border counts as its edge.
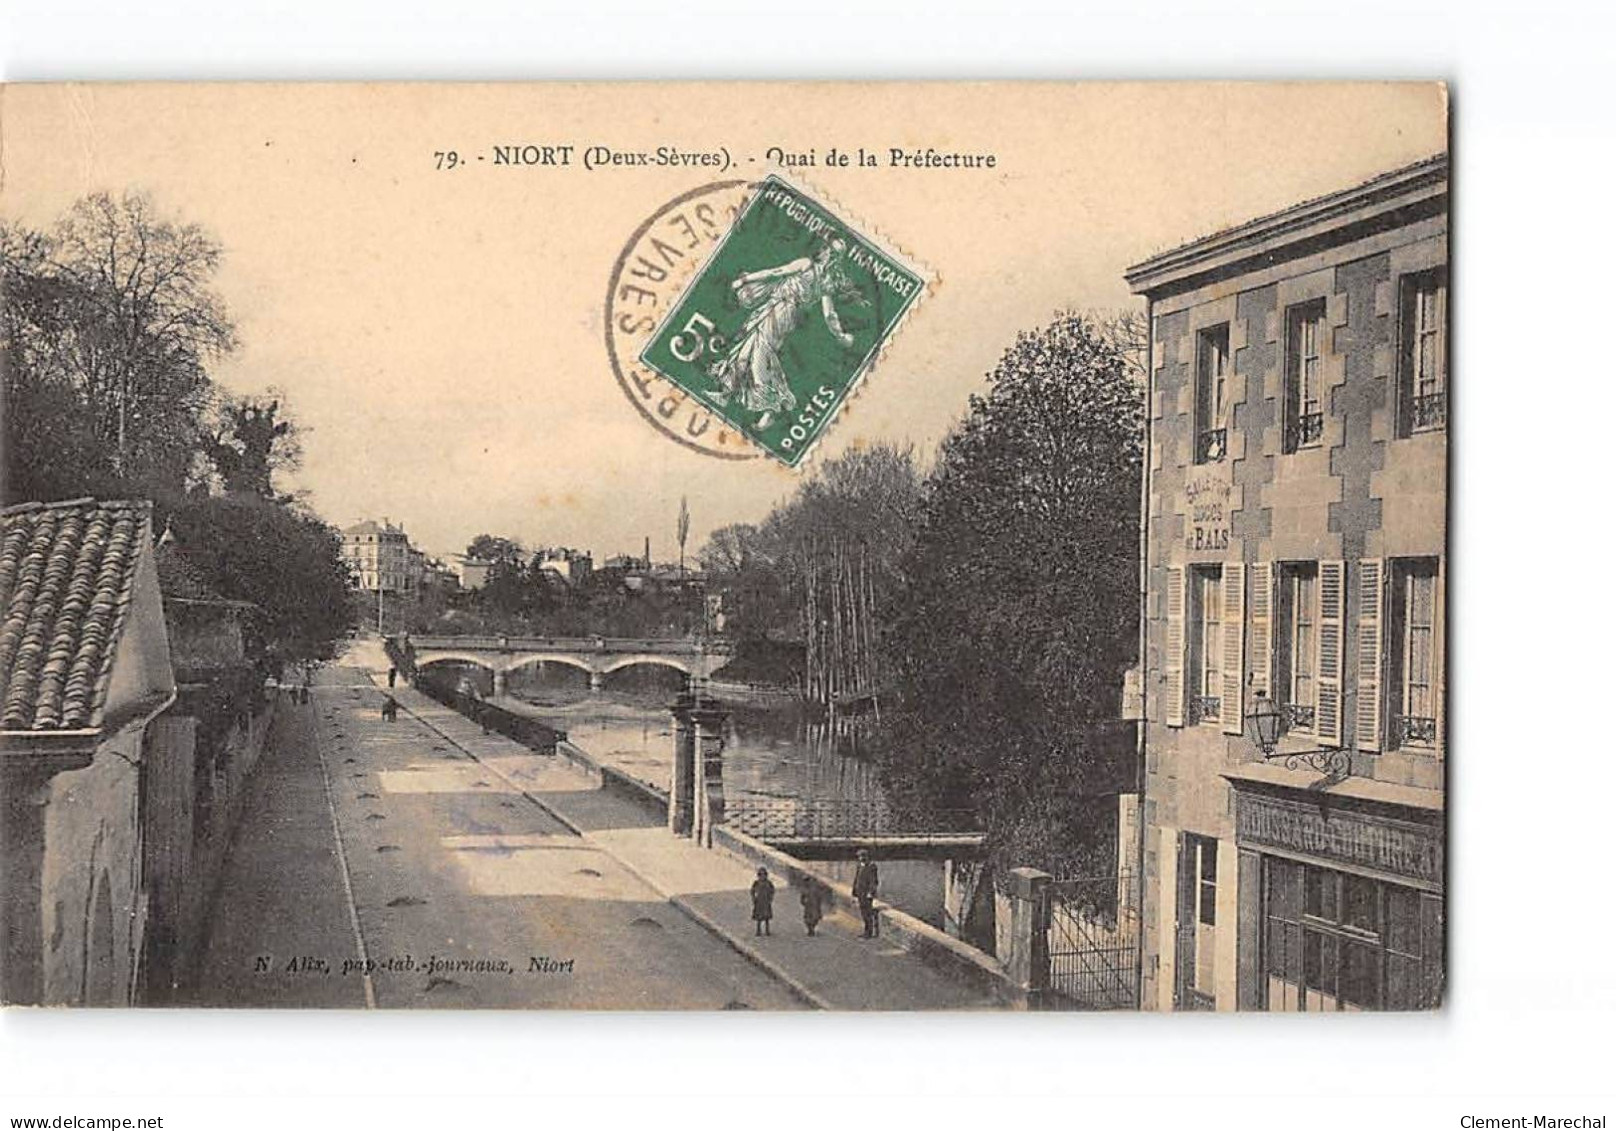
(866, 882)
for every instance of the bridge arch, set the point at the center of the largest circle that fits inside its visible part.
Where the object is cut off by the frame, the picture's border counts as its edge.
(529, 659)
(621, 662)
(430, 658)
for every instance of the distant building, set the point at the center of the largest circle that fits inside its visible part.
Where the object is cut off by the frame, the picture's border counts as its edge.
(382, 558)
(1295, 552)
(472, 573)
(574, 566)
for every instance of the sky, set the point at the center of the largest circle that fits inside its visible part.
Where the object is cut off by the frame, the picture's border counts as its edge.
(439, 334)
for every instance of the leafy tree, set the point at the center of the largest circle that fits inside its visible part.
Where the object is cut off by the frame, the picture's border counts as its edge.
(110, 321)
(1020, 613)
(285, 561)
(252, 441)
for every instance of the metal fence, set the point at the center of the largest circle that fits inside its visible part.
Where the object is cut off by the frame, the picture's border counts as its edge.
(1094, 936)
(837, 819)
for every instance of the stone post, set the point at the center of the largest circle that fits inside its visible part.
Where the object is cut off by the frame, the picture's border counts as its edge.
(1028, 961)
(682, 784)
(500, 677)
(25, 777)
(709, 722)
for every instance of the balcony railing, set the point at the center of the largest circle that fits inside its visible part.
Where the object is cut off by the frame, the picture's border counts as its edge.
(1416, 730)
(1205, 708)
(1211, 445)
(1430, 412)
(1298, 716)
(1305, 431)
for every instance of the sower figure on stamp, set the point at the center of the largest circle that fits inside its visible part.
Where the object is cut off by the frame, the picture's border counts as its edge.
(866, 882)
(751, 374)
(762, 901)
(813, 905)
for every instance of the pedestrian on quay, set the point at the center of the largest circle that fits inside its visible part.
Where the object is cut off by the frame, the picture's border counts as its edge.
(813, 904)
(762, 901)
(389, 709)
(392, 676)
(866, 882)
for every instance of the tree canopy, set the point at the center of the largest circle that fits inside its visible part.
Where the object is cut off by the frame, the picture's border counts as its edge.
(1020, 611)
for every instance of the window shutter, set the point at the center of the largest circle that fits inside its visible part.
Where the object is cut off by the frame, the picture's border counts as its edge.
(1232, 709)
(1262, 629)
(1371, 651)
(1327, 669)
(1173, 659)
(1439, 669)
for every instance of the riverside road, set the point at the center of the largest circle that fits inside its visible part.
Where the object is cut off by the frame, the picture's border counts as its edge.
(420, 863)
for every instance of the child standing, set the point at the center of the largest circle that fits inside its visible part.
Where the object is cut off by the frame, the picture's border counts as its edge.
(762, 901)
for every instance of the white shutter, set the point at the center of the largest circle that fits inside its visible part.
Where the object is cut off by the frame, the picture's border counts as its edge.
(1232, 708)
(1173, 655)
(1371, 649)
(1262, 629)
(1327, 669)
(1439, 669)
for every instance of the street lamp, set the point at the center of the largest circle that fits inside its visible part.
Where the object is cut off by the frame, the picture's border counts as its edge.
(1267, 723)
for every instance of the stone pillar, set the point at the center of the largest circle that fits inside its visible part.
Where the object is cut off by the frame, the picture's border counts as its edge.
(1028, 961)
(709, 722)
(25, 777)
(597, 680)
(500, 678)
(682, 784)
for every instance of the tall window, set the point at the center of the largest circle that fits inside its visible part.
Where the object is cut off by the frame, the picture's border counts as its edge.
(1340, 941)
(1197, 922)
(1424, 363)
(1211, 391)
(1297, 640)
(1304, 376)
(1416, 646)
(1206, 646)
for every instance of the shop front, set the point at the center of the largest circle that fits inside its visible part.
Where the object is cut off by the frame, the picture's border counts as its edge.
(1341, 893)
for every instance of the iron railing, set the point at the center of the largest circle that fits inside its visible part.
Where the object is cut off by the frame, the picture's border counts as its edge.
(837, 819)
(678, 645)
(1211, 445)
(1416, 728)
(1430, 412)
(1299, 716)
(1093, 925)
(1305, 431)
(1205, 708)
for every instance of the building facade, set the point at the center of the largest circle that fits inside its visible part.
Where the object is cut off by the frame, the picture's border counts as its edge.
(1295, 556)
(382, 558)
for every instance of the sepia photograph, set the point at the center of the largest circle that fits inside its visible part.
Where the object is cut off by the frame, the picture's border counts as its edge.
(837, 546)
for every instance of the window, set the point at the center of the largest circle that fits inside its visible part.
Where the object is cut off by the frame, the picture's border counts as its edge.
(1304, 376)
(1211, 391)
(1206, 643)
(1424, 360)
(1339, 941)
(1412, 653)
(1205, 850)
(1196, 928)
(1297, 640)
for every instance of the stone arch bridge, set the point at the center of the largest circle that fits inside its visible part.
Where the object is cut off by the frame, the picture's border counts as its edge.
(599, 656)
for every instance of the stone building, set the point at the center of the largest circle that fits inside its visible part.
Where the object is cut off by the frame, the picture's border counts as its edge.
(84, 671)
(381, 557)
(1295, 549)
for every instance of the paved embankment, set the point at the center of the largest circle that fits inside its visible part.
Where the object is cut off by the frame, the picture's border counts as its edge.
(836, 969)
(416, 850)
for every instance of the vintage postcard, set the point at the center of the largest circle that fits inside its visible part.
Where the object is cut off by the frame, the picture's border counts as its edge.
(852, 546)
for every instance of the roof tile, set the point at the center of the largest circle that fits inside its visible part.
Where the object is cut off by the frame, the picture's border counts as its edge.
(67, 573)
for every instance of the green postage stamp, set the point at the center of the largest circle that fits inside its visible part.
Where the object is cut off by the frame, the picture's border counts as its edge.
(784, 319)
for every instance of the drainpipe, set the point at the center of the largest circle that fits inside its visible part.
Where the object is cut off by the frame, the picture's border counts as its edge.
(1144, 633)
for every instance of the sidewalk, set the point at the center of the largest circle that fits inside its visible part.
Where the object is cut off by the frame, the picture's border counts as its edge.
(836, 969)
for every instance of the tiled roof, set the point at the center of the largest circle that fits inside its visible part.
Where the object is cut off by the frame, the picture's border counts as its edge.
(67, 574)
